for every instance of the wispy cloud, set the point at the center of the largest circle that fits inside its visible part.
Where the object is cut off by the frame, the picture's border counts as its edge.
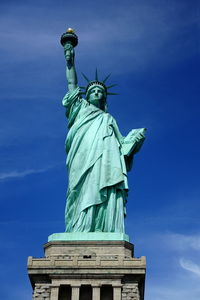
(183, 242)
(168, 273)
(190, 266)
(19, 174)
(170, 242)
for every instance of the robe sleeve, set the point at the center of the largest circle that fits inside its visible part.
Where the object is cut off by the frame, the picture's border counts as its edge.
(70, 97)
(132, 144)
(72, 102)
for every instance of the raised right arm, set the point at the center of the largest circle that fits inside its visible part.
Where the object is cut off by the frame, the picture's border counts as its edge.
(70, 68)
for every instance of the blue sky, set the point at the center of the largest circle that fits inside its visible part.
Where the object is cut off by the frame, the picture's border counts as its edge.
(152, 50)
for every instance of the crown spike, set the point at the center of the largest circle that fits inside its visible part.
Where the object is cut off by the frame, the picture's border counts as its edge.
(106, 78)
(110, 86)
(96, 75)
(85, 77)
(82, 87)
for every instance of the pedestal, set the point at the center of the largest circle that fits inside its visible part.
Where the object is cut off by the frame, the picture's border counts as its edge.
(87, 270)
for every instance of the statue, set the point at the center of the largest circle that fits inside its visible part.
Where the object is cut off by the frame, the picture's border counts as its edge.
(98, 156)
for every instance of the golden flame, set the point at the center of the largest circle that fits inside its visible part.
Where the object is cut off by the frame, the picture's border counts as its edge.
(70, 30)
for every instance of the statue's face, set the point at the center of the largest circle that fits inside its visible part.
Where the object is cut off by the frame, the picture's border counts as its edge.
(97, 97)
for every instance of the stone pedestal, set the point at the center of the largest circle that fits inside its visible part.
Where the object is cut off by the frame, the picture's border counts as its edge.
(87, 270)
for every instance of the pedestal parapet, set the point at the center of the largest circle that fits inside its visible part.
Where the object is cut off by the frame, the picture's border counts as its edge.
(92, 270)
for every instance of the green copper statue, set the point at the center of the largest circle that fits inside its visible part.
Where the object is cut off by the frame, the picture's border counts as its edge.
(98, 156)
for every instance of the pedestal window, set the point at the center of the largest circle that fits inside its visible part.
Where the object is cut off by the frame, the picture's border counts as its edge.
(65, 292)
(106, 292)
(86, 292)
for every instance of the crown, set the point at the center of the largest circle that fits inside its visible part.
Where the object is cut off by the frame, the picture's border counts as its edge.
(97, 82)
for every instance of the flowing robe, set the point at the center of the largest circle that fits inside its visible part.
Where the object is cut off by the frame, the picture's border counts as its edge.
(97, 186)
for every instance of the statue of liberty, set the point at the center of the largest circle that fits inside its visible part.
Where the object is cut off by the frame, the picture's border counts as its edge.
(98, 156)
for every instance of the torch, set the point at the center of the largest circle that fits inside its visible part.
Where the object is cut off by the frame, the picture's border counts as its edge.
(69, 40)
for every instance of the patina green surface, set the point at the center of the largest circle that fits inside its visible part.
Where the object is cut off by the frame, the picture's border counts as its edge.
(98, 157)
(88, 236)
